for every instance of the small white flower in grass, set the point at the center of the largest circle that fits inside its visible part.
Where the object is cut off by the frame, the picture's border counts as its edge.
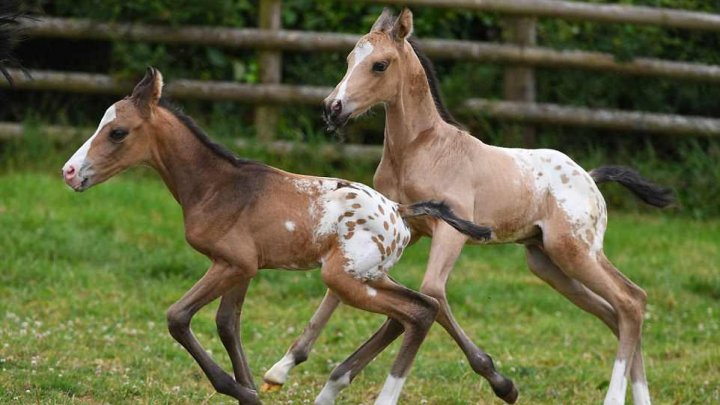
(176, 389)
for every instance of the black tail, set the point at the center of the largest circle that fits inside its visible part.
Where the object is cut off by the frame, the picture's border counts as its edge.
(645, 190)
(440, 210)
(9, 20)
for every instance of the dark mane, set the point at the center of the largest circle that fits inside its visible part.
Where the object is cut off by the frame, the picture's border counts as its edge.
(9, 33)
(217, 149)
(429, 69)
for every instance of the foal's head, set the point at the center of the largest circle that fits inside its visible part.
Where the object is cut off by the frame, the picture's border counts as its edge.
(123, 138)
(375, 69)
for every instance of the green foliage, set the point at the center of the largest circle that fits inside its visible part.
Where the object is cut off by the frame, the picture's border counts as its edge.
(687, 164)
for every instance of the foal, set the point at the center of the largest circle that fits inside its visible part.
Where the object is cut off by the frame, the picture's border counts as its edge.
(245, 216)
(539, 198)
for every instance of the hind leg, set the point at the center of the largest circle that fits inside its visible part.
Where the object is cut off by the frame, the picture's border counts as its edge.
(300, 349)
(573, 290)
(594, 271)
(412, 311)
(577, 293)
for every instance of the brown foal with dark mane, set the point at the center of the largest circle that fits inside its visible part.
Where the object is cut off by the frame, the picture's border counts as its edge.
(539, 198)
(246, 216)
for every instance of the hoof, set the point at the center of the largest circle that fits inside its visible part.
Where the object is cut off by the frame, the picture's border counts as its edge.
(269, 387)
(507, 393)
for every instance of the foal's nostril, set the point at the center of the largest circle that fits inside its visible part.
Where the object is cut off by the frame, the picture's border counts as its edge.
(69, 173)
(336, 106)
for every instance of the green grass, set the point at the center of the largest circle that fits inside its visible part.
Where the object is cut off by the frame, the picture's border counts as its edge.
(85, 280)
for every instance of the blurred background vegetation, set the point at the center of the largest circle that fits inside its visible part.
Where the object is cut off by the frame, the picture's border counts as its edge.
(688, 164)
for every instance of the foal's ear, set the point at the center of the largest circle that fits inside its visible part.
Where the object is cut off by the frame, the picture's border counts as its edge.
(384, 22)
(148, 91)
(403, 27)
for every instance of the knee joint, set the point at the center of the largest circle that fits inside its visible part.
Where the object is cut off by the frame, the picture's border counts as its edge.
(433, 290)
(178, 320)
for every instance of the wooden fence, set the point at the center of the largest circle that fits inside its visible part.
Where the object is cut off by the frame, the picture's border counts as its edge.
(518, 52)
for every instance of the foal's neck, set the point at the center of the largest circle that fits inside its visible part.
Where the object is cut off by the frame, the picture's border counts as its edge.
(414, 110)
(191, 171)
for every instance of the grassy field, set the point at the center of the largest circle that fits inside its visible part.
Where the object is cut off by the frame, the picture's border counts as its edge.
(85, 280)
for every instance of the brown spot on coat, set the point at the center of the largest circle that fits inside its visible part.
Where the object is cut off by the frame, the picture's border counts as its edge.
(380, 208)
(386, 225)
(558, 167)
(349, 235)
(564, 179)
(361, 221)
(349, 213)
(350, 196)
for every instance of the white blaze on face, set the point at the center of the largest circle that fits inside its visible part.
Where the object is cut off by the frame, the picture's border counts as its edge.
(77, 160)
(361, 51)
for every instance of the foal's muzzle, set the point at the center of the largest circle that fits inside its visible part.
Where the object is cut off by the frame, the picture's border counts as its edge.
(333, 114)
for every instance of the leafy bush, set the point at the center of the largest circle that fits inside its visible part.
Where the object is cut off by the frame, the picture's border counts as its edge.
(692, 161)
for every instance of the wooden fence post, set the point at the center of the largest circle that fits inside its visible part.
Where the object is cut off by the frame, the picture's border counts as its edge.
(519, 82)
(270, 69)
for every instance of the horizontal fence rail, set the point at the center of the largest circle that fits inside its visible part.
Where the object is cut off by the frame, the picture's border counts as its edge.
(313, 95)
(94, 83)
(578, 11)
(544, 113)
(331, 42)
(517, 52)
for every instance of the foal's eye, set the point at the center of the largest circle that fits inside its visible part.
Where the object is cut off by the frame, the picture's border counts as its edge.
(379, 66)
(118, 134)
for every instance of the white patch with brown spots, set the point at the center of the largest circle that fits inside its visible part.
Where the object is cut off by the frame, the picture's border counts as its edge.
(370, 231)
(573, 189)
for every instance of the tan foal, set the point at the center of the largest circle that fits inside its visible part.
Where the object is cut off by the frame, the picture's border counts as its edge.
(246, 216)
(539, 198)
